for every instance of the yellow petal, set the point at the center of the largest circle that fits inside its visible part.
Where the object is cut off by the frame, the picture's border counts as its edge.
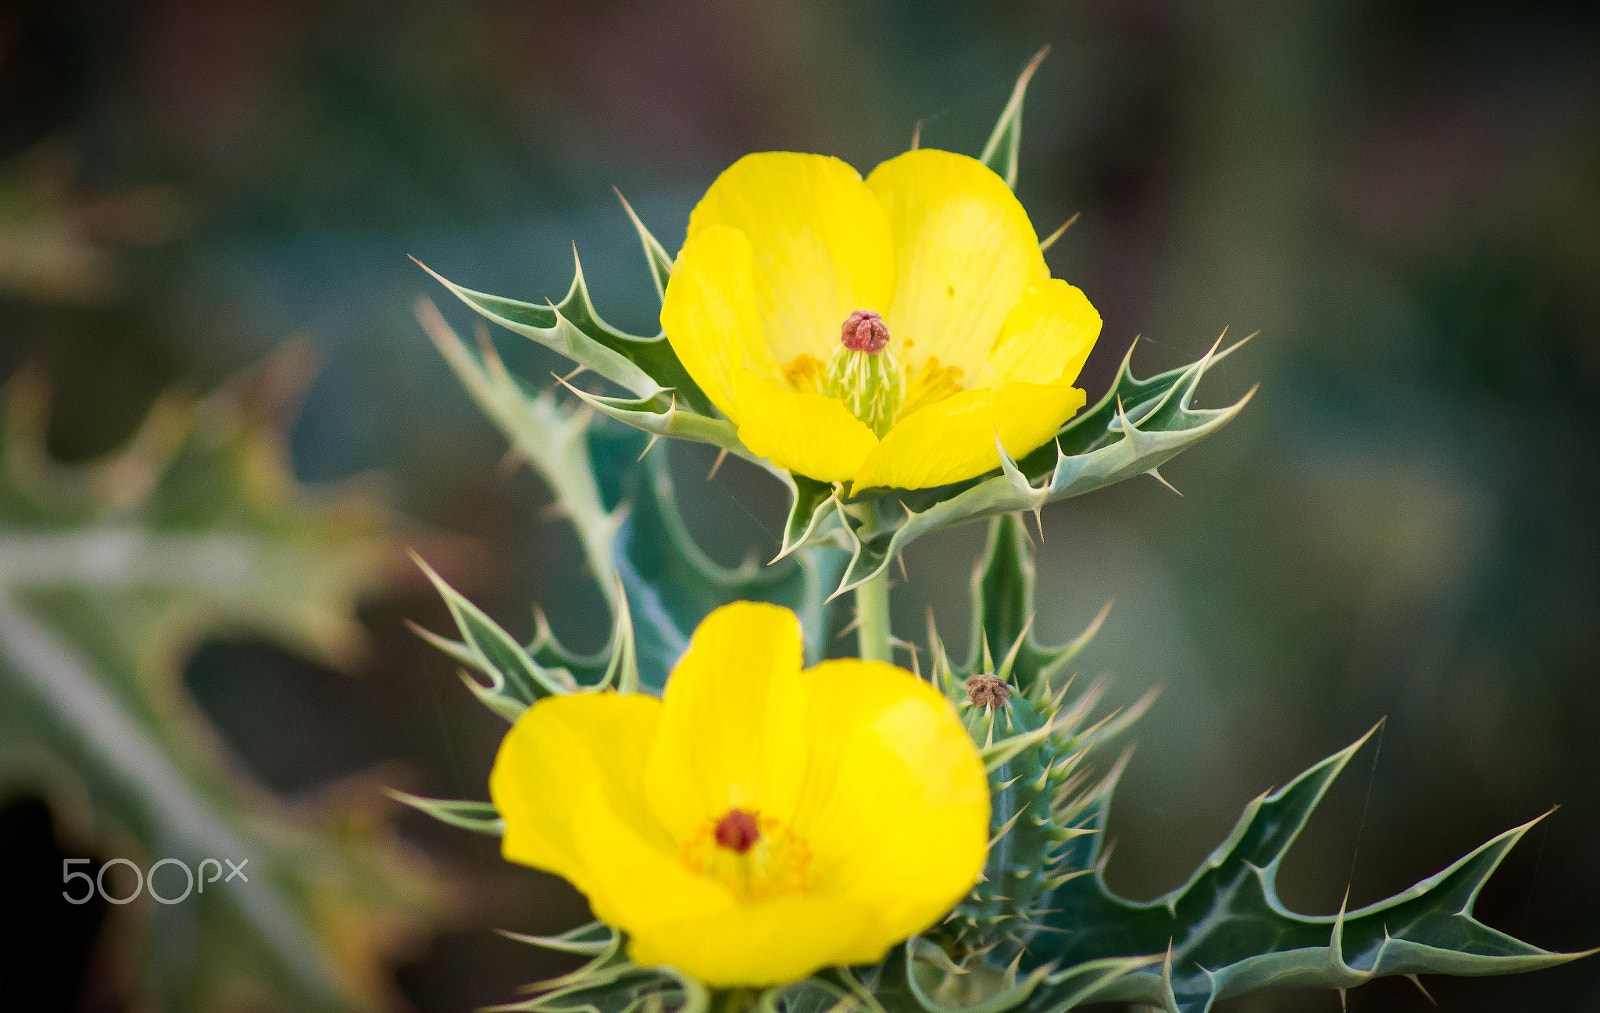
(1046, 337)
(710, 313)
(632, 882)
(964, 249)
(773, 943)
(731, 726)
(896, 802)
(954, 439)
(561, 750)
(803, 431)
(819, 239)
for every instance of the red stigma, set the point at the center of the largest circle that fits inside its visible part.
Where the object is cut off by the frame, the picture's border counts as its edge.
(738, 831)
(864, 331)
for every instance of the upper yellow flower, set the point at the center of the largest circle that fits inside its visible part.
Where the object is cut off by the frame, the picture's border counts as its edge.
(758, 822)
(794, 273)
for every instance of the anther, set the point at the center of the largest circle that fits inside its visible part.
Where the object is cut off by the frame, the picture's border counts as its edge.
(738, 831)
(987, 691)
(864, 331)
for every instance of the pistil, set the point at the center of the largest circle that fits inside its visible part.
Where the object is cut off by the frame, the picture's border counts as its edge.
(864, 372)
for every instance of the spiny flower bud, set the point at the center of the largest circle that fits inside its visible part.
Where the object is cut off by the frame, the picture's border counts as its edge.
(987, 691)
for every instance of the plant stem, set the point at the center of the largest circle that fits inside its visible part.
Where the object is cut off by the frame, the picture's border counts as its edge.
(734, 1000)
(872, 619)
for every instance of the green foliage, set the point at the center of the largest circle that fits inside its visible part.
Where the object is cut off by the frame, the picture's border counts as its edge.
(1004, 146)
(1044, 908)
(1133, 430)
(657, 579)
(1036, 745)
(110, 574)
(1041, 932)
(1225, 932)
(672, 585)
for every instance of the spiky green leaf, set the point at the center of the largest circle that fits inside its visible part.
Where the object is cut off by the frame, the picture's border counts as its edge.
(574, 328)
(479, 817)
(1135, 428)
(1229, 933)
(1004, 146)
(608, 982)
(110, 575)
(512, 671)
(655, 255)
(672, 584)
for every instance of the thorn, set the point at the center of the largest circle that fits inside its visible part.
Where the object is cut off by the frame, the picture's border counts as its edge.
(1033, 65)
(653, 438)
(568, 378)
(723, 456)
(849, 628)
(1342, 1004)
(1425, 993)
(1050, 240)
(1038, 522)
(1155, 473)
(1029, 536)
(901, 559)
(916, 136)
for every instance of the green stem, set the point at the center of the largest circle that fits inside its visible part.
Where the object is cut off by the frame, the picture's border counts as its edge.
(734, 1000)
(872, 618)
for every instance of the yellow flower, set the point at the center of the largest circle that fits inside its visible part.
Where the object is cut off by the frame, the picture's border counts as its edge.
(758, 822)
(785, 250)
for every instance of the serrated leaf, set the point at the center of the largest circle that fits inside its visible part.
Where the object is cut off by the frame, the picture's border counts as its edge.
(1004, 146)
(672, 584)
(812, 506)
(608, 982)
(573, 328)
(939, 985)
(655, 254)
(110, 574)
(635, 541)
(553, 442)
(1230, 934)
(515, 674)
(661, 416)
(479, 817)
(1136, 427)
(1003, 609)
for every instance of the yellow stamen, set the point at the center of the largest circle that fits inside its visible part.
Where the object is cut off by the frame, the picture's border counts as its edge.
(929, 385)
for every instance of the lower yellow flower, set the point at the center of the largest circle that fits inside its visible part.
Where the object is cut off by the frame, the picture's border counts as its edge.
(758, 822)
(882, 332)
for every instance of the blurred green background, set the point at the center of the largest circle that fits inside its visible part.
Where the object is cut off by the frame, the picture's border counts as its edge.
(1402, 197)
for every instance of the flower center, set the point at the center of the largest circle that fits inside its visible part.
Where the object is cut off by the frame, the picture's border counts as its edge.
(738, 831)
(754, 856)
(864, 372)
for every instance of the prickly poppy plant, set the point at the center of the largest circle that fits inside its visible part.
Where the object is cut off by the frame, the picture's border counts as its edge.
(757, 827)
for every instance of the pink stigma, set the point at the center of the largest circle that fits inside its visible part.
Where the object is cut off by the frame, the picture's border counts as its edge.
(737, 831)
(864, 331)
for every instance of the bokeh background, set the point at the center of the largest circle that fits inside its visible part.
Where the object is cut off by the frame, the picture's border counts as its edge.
(1402, 197)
